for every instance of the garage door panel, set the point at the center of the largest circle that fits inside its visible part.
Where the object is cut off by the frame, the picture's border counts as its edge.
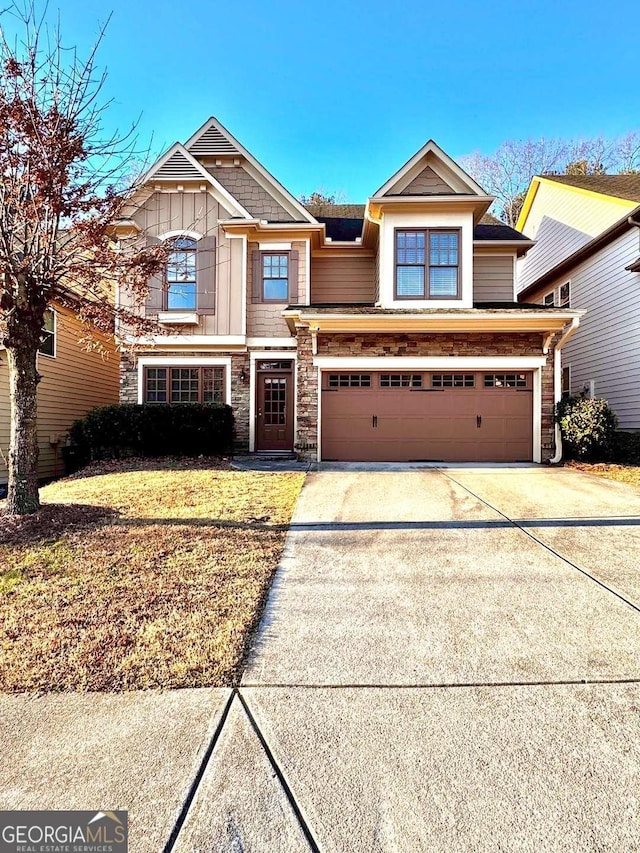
(456, 424)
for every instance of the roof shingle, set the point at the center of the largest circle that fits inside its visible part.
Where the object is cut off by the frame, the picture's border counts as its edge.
(618, 186)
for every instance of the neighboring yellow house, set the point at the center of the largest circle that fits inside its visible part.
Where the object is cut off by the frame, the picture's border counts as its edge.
(74, 380)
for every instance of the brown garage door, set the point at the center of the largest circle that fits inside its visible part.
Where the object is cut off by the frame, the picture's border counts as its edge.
(451, 417)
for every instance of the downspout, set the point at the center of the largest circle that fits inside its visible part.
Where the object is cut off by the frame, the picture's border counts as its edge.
(568, 332)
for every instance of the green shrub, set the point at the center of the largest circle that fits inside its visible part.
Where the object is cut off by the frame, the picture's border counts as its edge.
(627, 448)
(180, 429)
(588, 428)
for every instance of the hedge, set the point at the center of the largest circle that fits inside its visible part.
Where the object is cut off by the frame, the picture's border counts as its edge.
(179, 429)
(588, 428)
(627, 448)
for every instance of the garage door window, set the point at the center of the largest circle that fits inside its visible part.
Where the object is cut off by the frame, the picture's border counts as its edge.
(400, 380)
(453, 380)
(505, 380)
(350, 380)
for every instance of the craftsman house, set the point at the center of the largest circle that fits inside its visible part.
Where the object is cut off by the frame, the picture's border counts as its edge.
(388, 331)
(587, 255)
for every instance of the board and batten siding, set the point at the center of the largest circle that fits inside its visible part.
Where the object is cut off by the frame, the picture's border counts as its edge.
(164, 212)
(73, 382)
(606, 347)
(343, 279)
(493, 278)
(562, 220)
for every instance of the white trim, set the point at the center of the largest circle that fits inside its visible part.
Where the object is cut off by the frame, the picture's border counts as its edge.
(274, 183)
(254, 357)
(431, 362)
(180, 232)
(537, 415)
(272, 342)
(431, 147)
(243, 274)
(308, 271)
(222, 195)
(189, 340)
(178, 318)
(529, 363)
(274, 247)
(157, 361)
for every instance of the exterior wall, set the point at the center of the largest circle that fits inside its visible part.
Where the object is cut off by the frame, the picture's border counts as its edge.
(606, 348)
(249, 193)
(264, 320)
(415, 345)
(493, 278)
(562, 220)
(72, 383)
(392, 221)
(164, 212)
(427, 183)
(342, 279)
(239, 387)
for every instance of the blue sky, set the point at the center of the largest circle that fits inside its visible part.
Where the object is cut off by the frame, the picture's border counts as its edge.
(340, 94)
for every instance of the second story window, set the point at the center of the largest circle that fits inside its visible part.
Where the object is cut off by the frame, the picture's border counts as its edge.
(275, 277)
(427, 264)
(181, 275)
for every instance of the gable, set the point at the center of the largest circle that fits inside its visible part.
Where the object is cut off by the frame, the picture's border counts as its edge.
(251, 195)
(427, 182)
(432, 168)
(178, 168)
(213, 140)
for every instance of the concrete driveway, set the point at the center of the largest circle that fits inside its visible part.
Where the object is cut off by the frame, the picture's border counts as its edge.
(448, 661)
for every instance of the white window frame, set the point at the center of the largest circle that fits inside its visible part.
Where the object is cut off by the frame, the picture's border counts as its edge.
(165, 361)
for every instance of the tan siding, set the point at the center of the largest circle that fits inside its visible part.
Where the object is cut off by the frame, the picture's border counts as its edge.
(427, 183)
(199, 211)
(251, 195)
(561, 221)
(606, 347)
(342, 279)
(72, 383)
(265, 320)
(493, 278)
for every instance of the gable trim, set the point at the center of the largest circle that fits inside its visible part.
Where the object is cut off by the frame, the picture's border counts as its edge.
(430, 148)
(274, 183)
(539, 179)
(221, 195)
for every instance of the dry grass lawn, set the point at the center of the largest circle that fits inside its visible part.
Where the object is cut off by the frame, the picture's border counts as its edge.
(140, 576)
(623, 473)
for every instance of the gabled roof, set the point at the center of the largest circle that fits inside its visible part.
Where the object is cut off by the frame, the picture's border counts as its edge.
(600, 241)
(431, 155)
(619, 186)
(214, 139)
(177, 164)
(623, 190)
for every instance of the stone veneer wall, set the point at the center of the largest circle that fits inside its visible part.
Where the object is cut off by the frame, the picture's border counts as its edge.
(239, 387)
(371, 345)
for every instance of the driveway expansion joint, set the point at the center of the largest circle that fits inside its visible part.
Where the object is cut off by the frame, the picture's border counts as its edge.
(544, 545)
(306, 831)
(575, 682)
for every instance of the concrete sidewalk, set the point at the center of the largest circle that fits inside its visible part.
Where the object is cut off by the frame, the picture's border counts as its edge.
(448, 661)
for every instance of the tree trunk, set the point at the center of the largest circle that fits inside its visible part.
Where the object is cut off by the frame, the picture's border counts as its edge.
(23, 498)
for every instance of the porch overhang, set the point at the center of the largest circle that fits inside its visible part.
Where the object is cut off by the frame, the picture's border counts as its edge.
(432, 321)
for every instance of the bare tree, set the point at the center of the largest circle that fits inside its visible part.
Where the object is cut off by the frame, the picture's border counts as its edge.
(507, 172)
(61, 187)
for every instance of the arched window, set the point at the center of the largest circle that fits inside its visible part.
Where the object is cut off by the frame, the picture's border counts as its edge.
(181, 275)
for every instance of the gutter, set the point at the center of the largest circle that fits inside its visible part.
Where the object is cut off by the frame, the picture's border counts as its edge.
(568, 332)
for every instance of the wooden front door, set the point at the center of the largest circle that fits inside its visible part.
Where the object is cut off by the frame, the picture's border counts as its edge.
(274, 414)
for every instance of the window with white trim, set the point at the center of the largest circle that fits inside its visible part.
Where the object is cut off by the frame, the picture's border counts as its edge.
(184, 385)
(427, 263)
(550, 298)
(181, 293)
(564, 294)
